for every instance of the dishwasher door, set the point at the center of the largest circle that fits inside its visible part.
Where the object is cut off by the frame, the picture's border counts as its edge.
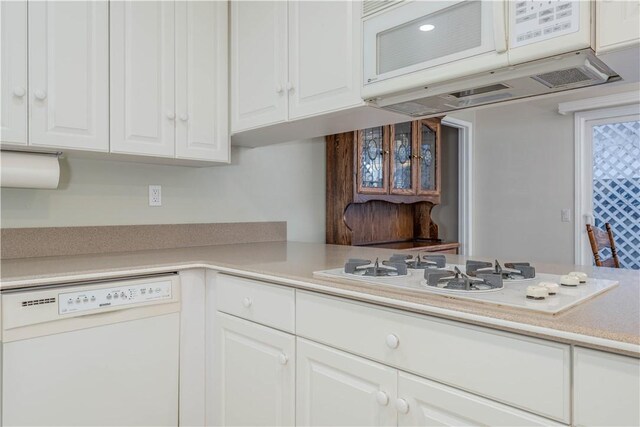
(106, 365)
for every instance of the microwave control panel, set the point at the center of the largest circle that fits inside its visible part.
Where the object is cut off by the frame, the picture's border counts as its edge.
(74, 302)
(534, 21)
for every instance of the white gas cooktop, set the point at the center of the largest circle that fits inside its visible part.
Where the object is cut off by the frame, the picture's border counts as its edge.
(512, 295)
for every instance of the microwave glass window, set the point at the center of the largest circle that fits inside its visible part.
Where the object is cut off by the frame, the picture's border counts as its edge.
(446, 32)
(402, 155)
(372, 158)
(427, 159)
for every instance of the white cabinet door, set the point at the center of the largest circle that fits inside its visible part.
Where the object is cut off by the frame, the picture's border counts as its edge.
(606, 389)
(143, 77)
(339, 389)
(324, 56)
(69, 74)
(256, 372)
(258, 63)
(617, 24)
(201, 81)
(426, 403)
(13, 72)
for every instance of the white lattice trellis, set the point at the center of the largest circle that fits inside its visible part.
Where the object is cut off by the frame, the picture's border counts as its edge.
(616, 186)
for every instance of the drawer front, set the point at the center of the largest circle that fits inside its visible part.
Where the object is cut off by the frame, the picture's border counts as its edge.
(529, 373)
(257, 301)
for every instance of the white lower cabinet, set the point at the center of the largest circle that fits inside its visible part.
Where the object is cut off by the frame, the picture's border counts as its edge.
(338, 389)
(427, 403)
(335, 388)
(256, 374)
(606, 389)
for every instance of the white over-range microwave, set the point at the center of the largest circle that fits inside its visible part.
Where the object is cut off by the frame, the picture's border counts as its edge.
(426, 42)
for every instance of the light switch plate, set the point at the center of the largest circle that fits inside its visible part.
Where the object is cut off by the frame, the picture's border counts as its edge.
(565, 215)
(155, 195)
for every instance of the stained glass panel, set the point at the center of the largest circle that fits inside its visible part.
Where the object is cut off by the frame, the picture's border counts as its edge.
(616, 187)
(372, 158)
(402, 152)
(427, 159)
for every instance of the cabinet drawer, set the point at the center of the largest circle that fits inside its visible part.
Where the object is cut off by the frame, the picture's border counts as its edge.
(529, 373)
(257, 301)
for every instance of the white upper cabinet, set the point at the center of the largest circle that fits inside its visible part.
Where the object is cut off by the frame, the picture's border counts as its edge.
(617, 24)
(142, 78)
(13, 72)
(324, 56)
(69, 74)
(293, 59)
(336, 388)
(258, 63)
(201, 81)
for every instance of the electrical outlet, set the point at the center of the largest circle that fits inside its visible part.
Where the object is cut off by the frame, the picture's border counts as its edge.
(155, 195)
(565, 215)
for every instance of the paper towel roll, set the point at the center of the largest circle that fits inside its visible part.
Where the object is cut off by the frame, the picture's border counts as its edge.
(29, 170)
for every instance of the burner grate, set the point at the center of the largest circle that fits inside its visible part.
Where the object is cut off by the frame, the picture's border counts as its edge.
(363, 267)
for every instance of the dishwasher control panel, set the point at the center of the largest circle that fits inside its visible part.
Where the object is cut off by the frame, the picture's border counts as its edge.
(74, 302)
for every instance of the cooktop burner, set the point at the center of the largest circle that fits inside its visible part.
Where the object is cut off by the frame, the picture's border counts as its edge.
(458, 281)
(363, 267)
(420, 262)
(510, 271)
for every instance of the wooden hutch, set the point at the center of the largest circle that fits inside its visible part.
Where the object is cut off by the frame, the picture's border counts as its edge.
(382, 183)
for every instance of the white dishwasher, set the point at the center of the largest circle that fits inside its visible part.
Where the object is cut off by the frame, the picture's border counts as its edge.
(101, 353)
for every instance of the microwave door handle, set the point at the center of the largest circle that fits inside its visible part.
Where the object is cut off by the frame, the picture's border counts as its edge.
(500, 25)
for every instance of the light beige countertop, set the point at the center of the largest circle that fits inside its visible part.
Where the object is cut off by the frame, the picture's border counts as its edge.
(610, 321)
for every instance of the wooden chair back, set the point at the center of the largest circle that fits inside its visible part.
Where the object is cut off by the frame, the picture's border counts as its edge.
(600, 239)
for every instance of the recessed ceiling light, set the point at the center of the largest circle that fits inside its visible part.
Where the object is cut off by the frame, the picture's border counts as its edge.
(427, 27)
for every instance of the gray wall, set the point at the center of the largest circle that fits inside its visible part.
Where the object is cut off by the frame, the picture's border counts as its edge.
(524, 175)
(284, 182)
(446, 213)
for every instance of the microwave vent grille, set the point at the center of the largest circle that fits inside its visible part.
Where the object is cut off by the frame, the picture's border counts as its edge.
(372, 6)
(562, 78)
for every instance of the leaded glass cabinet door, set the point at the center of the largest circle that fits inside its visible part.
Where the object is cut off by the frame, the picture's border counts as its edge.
(373, 159)
(428, 171)
(401, 160)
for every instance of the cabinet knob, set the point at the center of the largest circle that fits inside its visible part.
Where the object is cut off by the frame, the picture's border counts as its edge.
(382, 398)
(184, 117)
(289, 86)
(40, 94)
(392, 341)
(247, 302)
(283, 359)
(402, 406)
(19, 91)
(171, 115)
(278, 88)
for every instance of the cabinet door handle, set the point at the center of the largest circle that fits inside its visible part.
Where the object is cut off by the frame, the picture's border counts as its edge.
(19, 91)
(402, 406)
(247, 302)
(184, 117)
(392, 341)
(171, 115)
(382, 398)
(283, 359)
(289, 87)
(40, 94)
(278, 88)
